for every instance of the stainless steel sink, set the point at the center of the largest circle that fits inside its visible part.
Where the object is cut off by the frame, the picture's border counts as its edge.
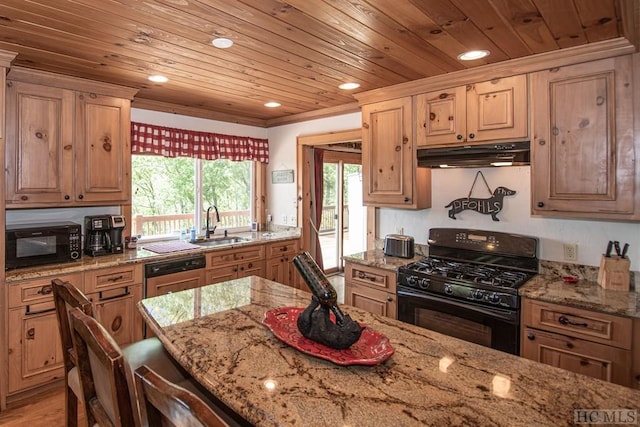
(220, 241)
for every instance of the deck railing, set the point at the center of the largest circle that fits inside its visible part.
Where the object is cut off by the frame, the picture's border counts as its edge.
(328, 223)
(151, 225)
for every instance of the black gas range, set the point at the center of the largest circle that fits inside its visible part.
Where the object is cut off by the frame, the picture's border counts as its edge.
(468, 285)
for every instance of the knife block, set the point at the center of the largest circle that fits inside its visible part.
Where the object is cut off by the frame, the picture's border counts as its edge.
(614, 273)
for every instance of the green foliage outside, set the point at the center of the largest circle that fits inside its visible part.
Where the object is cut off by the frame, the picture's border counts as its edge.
(166, 186)
(329, 177)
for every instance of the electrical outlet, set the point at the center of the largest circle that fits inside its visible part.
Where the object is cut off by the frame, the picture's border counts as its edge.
(400, 230)
(570, 252)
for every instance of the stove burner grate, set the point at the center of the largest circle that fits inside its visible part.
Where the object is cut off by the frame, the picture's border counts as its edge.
(469, 272)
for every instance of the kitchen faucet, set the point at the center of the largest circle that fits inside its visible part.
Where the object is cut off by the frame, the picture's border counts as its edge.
(209, 231)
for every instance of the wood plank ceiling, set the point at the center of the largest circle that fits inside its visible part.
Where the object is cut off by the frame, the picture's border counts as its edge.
(295, 52)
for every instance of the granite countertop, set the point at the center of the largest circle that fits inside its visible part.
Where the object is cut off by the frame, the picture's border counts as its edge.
(584, 294)
(216, 333)
(141, 255)
(377, 258)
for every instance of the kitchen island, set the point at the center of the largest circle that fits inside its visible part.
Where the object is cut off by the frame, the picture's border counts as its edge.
(216, 333)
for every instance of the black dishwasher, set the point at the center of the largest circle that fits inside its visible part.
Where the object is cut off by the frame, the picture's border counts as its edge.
(174, 275)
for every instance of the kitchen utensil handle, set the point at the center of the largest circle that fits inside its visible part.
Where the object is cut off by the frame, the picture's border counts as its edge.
(625, 249)
(616, 246)
(609, 247)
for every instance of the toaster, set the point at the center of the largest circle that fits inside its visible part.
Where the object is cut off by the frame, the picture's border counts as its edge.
(399, 245)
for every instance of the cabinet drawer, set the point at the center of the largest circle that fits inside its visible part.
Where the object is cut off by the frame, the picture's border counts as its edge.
(593, 326)
(577, 355)
(371, 276)
(38, 290)
(97, 280)
(372, 300)
(289, 247)
(234, 256)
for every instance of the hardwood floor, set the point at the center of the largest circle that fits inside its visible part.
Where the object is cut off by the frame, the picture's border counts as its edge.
(46, 409)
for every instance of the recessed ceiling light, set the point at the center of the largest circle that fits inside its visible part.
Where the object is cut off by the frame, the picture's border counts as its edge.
(272, 104)
(349, 86)
(158, 78)
(473, 54)
(222, 43)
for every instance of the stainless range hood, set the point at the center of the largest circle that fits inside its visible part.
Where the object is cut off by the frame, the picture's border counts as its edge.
(475, 156)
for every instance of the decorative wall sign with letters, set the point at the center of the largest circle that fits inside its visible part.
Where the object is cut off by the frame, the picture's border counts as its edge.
(489, 206)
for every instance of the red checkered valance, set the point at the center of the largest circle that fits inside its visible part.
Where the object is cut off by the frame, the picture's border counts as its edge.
(172, 142)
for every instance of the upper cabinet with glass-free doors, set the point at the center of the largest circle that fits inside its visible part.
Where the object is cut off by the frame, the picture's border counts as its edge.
(486, 111)
(584, 154)
(68, 141)
(389, 164)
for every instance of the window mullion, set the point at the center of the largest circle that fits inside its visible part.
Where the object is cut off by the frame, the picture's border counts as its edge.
(197, 191)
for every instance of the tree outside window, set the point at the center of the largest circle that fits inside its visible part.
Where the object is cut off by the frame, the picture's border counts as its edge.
(173, 194)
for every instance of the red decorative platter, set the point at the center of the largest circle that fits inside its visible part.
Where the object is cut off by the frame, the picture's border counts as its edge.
(371, 349)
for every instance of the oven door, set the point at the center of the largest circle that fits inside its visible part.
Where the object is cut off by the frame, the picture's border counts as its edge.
(493, 327)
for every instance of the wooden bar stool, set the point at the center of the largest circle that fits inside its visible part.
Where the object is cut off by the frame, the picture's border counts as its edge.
(165, 403)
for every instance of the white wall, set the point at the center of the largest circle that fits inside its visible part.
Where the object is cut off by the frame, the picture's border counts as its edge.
(591, 237)
(282, 198)
(195, 123)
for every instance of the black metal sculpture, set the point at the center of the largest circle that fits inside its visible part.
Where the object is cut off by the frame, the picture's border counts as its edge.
(315, 321)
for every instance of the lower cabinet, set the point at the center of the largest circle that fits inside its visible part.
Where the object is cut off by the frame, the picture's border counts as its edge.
(114, 292)
(635, 374)
(116, 311)
(581, 341)
(234, 264)
(34, 346)
(372, 289)
(279, 264)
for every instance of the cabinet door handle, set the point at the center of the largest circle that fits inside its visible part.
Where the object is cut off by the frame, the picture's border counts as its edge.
(459, 137)
(472, 135)
(28, 312)
(531, 336)
(31, 334)
(115, 279)
(80, 197)
(566, 321)
(45, 290)
(390, 299)
(126, 292)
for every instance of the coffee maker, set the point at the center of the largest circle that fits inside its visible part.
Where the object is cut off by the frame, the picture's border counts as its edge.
(103, 234)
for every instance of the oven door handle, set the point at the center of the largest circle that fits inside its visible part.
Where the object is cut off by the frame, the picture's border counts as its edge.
(496, 313)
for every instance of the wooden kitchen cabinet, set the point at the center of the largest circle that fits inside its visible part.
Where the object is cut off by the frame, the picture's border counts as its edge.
(114, 292)
(279, 263)
(34, 346)
(486, 111)
(389, 163)
(372, 289)
(583, 163)
(635, 356)
(582, 341)
(235, 263)
(65, 146)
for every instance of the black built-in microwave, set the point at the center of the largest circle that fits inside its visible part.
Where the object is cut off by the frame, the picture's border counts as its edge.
(28, 245)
